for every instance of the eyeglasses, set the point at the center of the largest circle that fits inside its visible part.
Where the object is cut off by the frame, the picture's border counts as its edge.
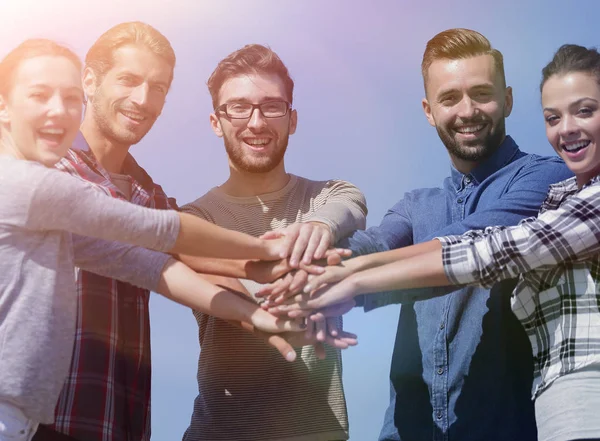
(270, 109)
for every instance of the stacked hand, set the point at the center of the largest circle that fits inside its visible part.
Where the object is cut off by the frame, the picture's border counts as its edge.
(310, 263)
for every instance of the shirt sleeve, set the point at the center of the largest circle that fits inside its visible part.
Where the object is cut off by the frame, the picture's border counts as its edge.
(570, 233)
(344, 211)
(136, 265)
(63, 202)
(523, 198)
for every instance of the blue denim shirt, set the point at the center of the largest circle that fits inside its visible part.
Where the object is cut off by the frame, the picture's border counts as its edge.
(462, 366)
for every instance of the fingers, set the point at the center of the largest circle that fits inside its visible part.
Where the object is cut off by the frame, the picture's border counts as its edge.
(298, 281)
(282, 286)
(332, 326)
(320, 350)
(315, 269)
(279, 343)
(291, 325)
(274, 234)
(320, 330)
(341, 252)
(336, 310)
(324, 243)
(302, 242)
(290, 235)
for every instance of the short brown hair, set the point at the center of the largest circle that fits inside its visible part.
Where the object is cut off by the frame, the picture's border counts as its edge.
(251, 59)
(100, 56)
(456, 44)
(31, 48)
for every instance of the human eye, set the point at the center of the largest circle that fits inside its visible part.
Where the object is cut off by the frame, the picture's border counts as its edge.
(75, 98)
(39, 95)
(160, 88)
(585, 111)
(551, 119)
(127, 80)
(238, 108)
(484, 95)
(273, 108)
(448, 100)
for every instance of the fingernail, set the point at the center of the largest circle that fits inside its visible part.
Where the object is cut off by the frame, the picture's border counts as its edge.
(307, 289)
(290, 356)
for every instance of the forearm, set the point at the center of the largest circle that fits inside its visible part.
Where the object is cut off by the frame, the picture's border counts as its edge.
(202, 238)
(220, 267)
(182, 285)
(421, 270)
(257, 270)
(375, 260)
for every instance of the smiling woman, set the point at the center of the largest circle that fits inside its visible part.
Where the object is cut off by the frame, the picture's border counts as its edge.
(42, 99)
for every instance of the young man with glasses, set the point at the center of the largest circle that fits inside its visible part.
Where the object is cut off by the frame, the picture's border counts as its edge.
(241, 380)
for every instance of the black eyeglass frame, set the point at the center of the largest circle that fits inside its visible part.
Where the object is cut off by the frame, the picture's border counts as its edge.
(223, 108)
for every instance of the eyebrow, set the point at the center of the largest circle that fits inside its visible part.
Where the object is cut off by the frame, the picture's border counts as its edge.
(139, 77)
(575, 103)
(246, 100)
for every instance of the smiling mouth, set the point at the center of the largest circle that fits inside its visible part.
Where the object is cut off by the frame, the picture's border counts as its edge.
(469, 130)
(574, 147)
(134, 116)
(257, 142)
(52, 134)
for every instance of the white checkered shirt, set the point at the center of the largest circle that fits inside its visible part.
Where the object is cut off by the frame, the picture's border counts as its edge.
(557, 259)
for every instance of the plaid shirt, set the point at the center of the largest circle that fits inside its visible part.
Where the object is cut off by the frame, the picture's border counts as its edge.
(557, 259)
(106, 396)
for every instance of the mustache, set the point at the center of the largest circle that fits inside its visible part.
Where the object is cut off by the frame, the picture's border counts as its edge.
(471, 121)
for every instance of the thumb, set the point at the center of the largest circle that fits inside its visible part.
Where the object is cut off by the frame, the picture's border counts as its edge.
(274, 234)
(279, 343)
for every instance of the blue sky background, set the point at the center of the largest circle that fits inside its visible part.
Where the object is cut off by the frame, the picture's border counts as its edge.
(358, 93)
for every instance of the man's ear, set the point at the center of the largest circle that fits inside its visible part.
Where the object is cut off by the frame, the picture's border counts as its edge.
(427, 110)
(215, 125)
(4, 115)
(508, 102)
(89, 80)
(293, 121)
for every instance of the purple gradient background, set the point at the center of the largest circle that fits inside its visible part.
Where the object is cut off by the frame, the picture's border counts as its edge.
(358, 95)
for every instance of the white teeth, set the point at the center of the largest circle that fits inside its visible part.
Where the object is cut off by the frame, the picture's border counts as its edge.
(52, 131)
(469, 129)
(257, 142)
(133, 116)
(576, 146)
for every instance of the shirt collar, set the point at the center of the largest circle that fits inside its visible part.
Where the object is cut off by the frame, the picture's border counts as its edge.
(130, 166)
(502, 156)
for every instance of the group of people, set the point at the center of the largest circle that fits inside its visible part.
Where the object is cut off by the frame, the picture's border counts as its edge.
(496, 270)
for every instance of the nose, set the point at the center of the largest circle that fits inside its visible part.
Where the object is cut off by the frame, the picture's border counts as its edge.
(56, 105)
(568, 127)
(257, 121)
(139, 95)
(466, 108)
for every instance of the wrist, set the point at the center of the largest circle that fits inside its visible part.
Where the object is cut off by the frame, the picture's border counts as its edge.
(357, 264)
(355, 284)
(246, 311)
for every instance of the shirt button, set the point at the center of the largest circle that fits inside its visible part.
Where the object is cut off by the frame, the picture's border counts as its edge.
(459, 200)
(468, 179)
(442, 325)
(440, 371)
(438, 415)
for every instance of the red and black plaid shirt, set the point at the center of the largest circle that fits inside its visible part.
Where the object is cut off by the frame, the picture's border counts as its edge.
(106, 396)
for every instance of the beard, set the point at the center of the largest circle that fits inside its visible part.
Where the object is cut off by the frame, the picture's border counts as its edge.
(111, 129)
(477, 150)
(247, 162)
